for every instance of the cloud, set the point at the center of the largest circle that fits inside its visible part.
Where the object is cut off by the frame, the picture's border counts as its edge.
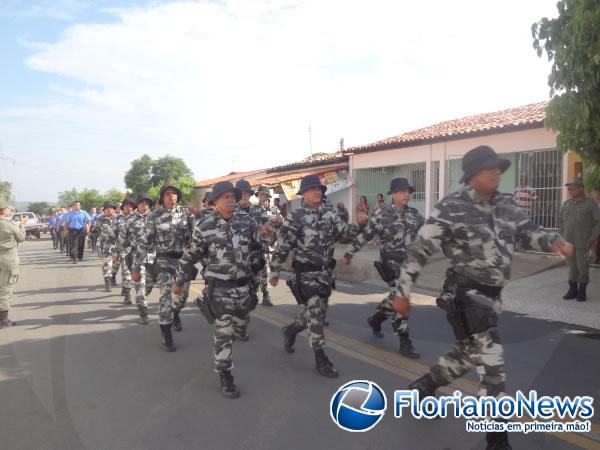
(51, 9)
(242, 79)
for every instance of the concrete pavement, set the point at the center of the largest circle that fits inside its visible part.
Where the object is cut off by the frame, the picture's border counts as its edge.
(79, 372)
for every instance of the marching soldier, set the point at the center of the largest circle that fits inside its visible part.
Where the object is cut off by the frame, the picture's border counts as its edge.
(477, 228)
(223, 243)
(580, 225)
(396, 225)
(11, 235)
(310, 232)
(168, 230)
(107, 234)
(133, 234)
(123, 251)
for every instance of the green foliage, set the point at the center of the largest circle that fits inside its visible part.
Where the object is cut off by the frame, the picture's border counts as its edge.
(169, 168)
(592, 178)
(89, 198)
(6, 191)
(137, 178)
(40, 208)
(114, 195)
(186, 184)
(572, 43)
(146, 173)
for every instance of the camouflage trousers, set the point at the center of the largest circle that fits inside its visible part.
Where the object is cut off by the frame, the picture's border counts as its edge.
(316, 288)
(9, 274)
(399, 322)
(140, 288)
(108, 266)
(230, 305)
(579, 266)
(481, 351)
(125, 272)
(264, 275)
(166, 302)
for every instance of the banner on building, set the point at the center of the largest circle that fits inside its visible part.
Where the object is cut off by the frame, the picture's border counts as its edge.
(335, 181)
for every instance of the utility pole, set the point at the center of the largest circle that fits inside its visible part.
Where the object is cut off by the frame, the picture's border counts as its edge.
(341, 144)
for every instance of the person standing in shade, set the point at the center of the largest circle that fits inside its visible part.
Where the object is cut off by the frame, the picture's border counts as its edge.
(77, 226)
(477, 228)
(168, 231)
(309, 233)
(579, 225)
(123, 251)
(397, 226)
(11, 235)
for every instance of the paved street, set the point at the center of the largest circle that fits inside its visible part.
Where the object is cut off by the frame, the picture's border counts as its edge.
(79, 372)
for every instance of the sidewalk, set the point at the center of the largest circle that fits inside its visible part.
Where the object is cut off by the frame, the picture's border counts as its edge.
(536, 288)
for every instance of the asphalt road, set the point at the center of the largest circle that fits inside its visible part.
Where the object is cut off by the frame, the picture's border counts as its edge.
(79, 372)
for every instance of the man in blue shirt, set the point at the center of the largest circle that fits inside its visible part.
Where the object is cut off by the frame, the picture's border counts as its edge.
(52, 227)
(60, 230)
(77, 225)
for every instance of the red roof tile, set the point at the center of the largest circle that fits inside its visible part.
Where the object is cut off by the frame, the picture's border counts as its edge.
(312, 161)
(528, 116)
(277, 179)
(233, 176)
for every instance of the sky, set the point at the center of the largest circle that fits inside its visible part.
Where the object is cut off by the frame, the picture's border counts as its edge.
(87, 86)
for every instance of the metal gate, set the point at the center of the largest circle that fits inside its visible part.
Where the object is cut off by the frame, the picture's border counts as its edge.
(373, 181)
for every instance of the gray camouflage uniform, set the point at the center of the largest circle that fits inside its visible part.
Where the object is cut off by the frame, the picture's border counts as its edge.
(311, 234)
(224, 248)
(133, 234)
(479, 237)
(168, 232)
(123, 251)
(397, 229)
(107, 235)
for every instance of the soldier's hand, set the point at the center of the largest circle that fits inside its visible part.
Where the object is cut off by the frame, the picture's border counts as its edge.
(273, 281)
(340, 205)
(177, 290)
(564, 248)
(345, 261)
(402, 305)
(278, 220)
(23, 219)
(115, 259)
(362, 218)
(136, 276)
(266, 229)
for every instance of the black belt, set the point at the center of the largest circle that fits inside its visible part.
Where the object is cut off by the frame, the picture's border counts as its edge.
(490, 291)
(75, 229)
(174, 255)
(228, 283)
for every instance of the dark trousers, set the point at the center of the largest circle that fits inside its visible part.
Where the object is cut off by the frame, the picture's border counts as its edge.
(597, 252)
(77, 243)
(61, 239)
(54, 234)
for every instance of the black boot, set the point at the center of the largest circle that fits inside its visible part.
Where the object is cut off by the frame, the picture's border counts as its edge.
(114, 279)
(497, 441)
(289, 336)
(375, 322)
(324, 366)
(581, 292)
(4, 320)
(107, 285)
(177, 325)
(167, 338)
(148, 290)
(572, 292)
(228, 389)
(406, 347)
(266, 301)
(127, 296)
(426, 385)
(143, 315)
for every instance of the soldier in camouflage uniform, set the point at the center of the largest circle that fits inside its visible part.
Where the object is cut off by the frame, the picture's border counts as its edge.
(133, 234)
(396, 225)
(310, 232)
(169, 232)
(477, 228)
(580, 225)
(123, 250)
(223, 242)
(107, 235)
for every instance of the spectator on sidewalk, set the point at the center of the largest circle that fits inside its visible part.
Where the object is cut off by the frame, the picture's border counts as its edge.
(579, 225)
(379, 203)
(363, 206)
(525, 196)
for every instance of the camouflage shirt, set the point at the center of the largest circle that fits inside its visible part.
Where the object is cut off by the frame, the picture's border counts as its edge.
(135, 230)
(123, 222)
(477, 235)
(397, 229)
(311, 234)
(107, 234)
(166, 231)
(224, 247)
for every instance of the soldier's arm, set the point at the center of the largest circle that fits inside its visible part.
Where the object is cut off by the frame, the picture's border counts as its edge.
(596, 229)
(287, 239)
(196, 251)
(19, 233)
(344, 230)
(144, 244)
(532, 235)
(430, 238)
(372, 229)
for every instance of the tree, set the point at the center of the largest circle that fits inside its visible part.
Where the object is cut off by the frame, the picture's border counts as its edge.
(168, 168)
(66, 198)
(572, 43)
(137, 179)
(186, 184)
(114, 195)
(6, 191)
(39, 208)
